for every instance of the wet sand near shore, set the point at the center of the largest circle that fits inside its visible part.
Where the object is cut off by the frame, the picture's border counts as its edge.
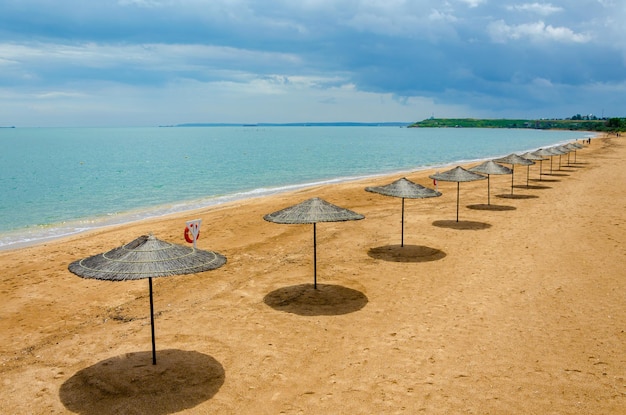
(517, 308)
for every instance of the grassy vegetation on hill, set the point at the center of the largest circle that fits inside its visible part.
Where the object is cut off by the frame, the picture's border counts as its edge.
(611, 124)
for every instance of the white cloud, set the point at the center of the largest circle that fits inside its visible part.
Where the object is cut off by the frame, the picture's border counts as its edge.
(473, 3)
(543, 9)
(436, 15)
(59, 94)
(152, 57)
(7, 62)
(542, 83)
(381, 22)
(140, 3)
(395, 18)
(538, 31)
(277, 84)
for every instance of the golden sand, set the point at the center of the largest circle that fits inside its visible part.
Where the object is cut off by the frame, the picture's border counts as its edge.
(519, 308)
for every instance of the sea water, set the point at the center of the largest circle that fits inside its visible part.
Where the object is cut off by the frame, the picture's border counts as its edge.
(60, 181)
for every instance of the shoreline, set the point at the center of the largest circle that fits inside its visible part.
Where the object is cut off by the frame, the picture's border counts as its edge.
(36, 235)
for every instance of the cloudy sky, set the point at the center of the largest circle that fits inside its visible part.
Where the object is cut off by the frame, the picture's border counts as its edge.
(155, 62)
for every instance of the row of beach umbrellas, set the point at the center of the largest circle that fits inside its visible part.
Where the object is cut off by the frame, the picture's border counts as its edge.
(495, 167)
(149, 257)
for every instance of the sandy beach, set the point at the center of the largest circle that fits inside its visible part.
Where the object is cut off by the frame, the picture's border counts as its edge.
(518, 308)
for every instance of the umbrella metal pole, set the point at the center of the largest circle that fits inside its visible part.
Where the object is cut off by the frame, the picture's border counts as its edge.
(402, 240)
(540, 169)
(512, 177)
(458, 187)
(314, 257)
(527, 175)
(152, 322)
(550, 164)
(488, 191)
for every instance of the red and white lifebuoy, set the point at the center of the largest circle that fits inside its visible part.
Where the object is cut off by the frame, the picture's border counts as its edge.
(189, 236)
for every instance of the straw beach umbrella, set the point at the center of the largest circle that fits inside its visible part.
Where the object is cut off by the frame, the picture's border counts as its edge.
(575, 147)
(458, 175)
(544, 152)
(555, 152)
(147, 257)
(566, 150)
(572, 148)
(312, 211)
(514, 159)
(490, 167)
(404, 189)
(532, 157)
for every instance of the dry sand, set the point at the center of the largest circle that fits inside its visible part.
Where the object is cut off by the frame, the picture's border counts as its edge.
(519, 309)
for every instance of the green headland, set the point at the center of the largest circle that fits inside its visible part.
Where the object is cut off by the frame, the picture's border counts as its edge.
(575, 123)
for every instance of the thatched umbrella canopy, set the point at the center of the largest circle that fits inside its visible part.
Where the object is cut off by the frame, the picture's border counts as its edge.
(490, 167)
(458, 175)
(544, 152)
(566, 150)
(574, 147)
(312, 211)
(533, 157)
(557, 151)
(404, 189)
(514, 159)
(147, 257)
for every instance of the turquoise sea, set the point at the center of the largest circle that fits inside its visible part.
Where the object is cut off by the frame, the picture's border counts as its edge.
(60, 181)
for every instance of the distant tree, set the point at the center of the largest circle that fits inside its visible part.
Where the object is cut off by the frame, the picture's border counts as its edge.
(614, 123)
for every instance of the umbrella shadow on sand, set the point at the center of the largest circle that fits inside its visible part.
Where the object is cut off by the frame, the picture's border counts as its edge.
(545, 180)
(128, 384)
(532, 186)
(494, 208)
(464, 225)
(406, 253)
(516, 196)
(325, 300)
